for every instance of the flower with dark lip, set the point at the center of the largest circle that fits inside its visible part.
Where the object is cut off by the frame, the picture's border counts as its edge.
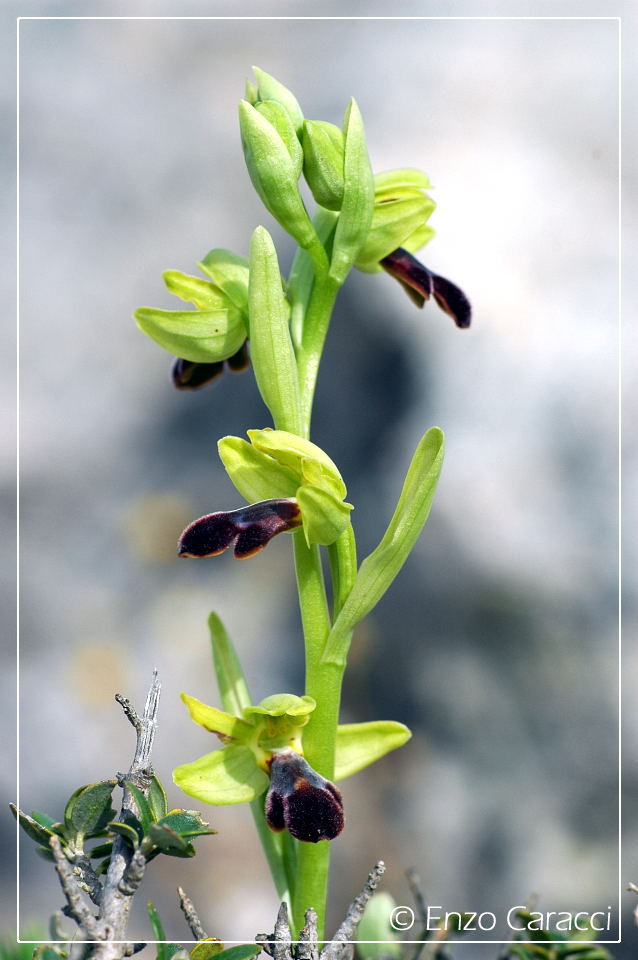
(250, 528)
(301, 800)
(420, 284)
(188, 375)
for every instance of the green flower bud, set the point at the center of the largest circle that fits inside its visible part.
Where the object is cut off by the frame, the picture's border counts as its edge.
(280, 119)
(401, 212)
(358, 197)
(323, 159)
(270, 89)
(271, 347)
(274, 173)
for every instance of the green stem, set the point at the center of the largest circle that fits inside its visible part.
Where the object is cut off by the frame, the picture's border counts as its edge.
(316, 322)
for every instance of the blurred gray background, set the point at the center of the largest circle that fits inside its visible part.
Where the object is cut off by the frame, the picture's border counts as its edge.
(498, 643)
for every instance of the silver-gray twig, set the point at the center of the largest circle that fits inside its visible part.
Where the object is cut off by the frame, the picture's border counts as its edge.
(192, 919)
(337, 949)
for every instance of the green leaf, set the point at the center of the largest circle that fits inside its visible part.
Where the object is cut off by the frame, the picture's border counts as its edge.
(271, 348)
(233, 689)
(101, 850)
(375, 925)
(378, 570)
(358, 197)
(158, 933)
(225, 776)
(127, 829)
(230, 273)
(216, 721)
(157, 799)
(188, 823)
(31, 827)
(48, 953)
(268, 88)
(324, 515)
(143, 807)
(360, 744)
(255, 475)
(243, 951)
(169, 841)
(203, 294)
(44, 819)
(201, 336)
(211, 947)
(89, 809)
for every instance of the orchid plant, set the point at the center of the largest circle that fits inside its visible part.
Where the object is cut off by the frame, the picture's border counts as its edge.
(283, 755)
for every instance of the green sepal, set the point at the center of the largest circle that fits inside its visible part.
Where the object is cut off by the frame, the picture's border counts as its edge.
(358, 197)
(188, 823)
(34, 830)
(268, 88)
(223, 777)
(393, 224)
(205, 949)
(169, 841)
(126, 829)
(230, 273)
(375, 925)
(201, 293)
(231, 682)
(392, 182)
(360, 744)
(88, 809)
(279, 117)
(323, 159)
(291, 451)
(282, 704)
(157, 798)
(272, 352)
(254, 474)
(274, 174)
(324, 515)
(201, 336)
(224, 725)
(379, 569)
(243, 951)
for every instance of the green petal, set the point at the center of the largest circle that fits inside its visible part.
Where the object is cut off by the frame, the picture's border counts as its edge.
(216, 720)
(230, 273)
(360, 744)
(291, 451)
(324, 515)
(230, 775)
(201, 336)
(282, 704)
(378, 570)
(202, 293)
(255, 475)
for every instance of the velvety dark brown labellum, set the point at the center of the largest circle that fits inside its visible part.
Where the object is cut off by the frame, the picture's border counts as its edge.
(301, 800)
(249, 528)
(240, 360)
(420, 284)
(191, 376)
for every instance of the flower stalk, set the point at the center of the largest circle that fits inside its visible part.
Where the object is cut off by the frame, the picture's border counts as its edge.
(283, 754)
